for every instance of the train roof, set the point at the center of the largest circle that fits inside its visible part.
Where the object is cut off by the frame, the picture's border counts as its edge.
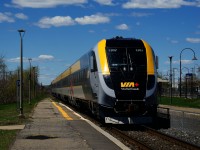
(122, 38)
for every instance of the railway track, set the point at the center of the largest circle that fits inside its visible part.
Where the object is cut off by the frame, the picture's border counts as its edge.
(150, 139)
(132, 142)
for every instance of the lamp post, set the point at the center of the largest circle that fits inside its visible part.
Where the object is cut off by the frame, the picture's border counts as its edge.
(29, 80)
(173, 77)
(194, 58)
(21, 33)
(170, 59)
(34, 81)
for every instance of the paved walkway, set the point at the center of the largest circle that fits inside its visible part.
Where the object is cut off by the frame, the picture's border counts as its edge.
(49, 130)
(12, 127)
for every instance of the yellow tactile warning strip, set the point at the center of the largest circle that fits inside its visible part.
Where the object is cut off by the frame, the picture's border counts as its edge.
(64, 114)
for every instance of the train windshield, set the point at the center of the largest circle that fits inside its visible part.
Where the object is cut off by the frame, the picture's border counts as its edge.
(126, 57)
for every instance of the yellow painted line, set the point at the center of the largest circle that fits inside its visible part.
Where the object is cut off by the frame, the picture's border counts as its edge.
(65, 115)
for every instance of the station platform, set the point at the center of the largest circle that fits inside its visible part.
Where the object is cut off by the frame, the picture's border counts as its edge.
(184, 109)
(55, 127)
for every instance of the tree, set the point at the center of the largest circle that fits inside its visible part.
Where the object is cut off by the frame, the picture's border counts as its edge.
(8, 83)
(3, 68)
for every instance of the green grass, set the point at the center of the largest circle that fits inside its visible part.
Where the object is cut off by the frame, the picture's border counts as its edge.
(182, 102)
(6, 138)
(9, 115)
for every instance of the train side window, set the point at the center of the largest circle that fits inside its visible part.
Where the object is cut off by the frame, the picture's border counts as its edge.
(93, 64)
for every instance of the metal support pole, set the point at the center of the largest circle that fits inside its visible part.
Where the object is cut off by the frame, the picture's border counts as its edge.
(191, 83)
(186, 87)
(30, 81)
(170, 58)
(21, 33)
(18, 86)
(34, 81)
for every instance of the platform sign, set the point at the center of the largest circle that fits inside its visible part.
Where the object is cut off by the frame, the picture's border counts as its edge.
(18, 82)
(189, 75)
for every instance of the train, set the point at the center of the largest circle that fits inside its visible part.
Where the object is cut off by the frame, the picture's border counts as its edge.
(116, 81)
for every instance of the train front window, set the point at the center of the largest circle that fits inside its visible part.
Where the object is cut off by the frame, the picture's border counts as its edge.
(125, 57)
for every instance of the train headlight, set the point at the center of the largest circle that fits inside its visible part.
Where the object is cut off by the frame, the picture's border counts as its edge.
(106, 70)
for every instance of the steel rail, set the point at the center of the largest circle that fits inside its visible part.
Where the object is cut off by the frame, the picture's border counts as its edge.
(131, 140)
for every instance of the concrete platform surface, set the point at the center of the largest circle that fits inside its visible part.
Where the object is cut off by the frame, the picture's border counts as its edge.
(12, 127)
(54, 127)
(184, 109)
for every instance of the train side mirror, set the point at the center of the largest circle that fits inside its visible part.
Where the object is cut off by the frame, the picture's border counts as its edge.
(157, 63)
(93, 63)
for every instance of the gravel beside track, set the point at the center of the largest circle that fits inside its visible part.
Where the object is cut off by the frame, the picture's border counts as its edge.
(184, 134)
(157, 143)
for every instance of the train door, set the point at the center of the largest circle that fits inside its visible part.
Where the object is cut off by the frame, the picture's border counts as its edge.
(93, 74)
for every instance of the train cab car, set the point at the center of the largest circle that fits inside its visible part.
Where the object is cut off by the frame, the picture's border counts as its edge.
(127, 80)
(118, 83)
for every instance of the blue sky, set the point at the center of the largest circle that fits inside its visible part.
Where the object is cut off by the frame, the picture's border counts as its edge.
(59, 31)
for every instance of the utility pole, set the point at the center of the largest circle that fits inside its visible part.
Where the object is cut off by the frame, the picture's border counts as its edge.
(30, 81)
(170, 59)
(21, 33)
(34, 82)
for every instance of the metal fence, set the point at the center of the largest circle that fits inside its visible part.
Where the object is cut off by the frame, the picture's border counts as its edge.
(188, 90)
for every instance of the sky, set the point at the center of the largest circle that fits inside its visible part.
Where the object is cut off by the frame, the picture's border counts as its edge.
(58, 32)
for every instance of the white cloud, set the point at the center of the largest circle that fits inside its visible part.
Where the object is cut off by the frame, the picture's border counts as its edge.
(45, 57)
(184, 62)
(172, 40)
(193, 40)
(6, 17)
(93, 19)
(59, 21)
(9, 17)
(45, 3)
(21, 16)
(157, 4)
(38, 59)
(122, 27)
(14, 60)
(56, 21)
(105, 2)
(91, 31)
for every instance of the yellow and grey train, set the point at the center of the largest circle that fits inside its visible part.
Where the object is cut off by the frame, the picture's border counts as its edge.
(116, 81)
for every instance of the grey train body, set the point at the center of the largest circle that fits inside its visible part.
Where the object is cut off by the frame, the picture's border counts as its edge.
(116, 81)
